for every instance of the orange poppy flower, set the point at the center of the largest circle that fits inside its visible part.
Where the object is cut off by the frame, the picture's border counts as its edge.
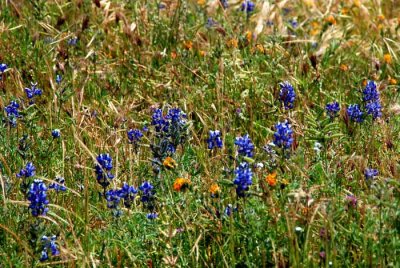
(169, 163)
(214, 189)
(271, 179)
(181, 184)
(387, 58)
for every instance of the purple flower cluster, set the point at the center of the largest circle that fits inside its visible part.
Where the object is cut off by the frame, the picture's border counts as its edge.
(287, 95)
(247, 6)
(3, 67)
(58, 185)
(147, 196)
(58, 79)
(372, 100)
(134, 136)
(152, 216)
(159, 121)
(32, 92)
(103, 168)
(12, 113)
(37, 195)
(174, 118)
(214, 140)
(355, 113)
(127, 193)
(28, 171)
(49, 244)
(332, 109)
(245, 146)
(372, 104)
(113, 198)
(283, 137)
(147, 192)
(370, 173)
(243, 178)
(56, 133)
(224, 3)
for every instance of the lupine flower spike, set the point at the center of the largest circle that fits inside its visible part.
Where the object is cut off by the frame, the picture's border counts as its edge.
(49, 244)
(214, 140)
(243, 179)
(287, 95)
(38, 198)
(56, 133)
(332, 109)
(283, 137)
(103, 168)
(58, 185)
(245, 146)
(12, 113)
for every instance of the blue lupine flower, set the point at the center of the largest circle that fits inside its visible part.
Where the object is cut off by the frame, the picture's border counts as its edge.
(158, 121)
(211, 23)
(38, 198)
(58, 185)
(44, 256)
(287, 95)
(286, 11)
(370, 93)
(243, 178)
(56, 133)
(214, 140)
(372, 100)
(128, 194)
(224, 3)
(147, 192)
(332, 109)
(28, 171)
(355, 113)
(33, 91)
(58, 79)
(269, 23)
(283, 136)
(49, 244)
(113, 198)
(370, 173)
(245, 146)
(228, 210)
(134, 136)
(73, 41)
(374, 108)
(3, 67)
(176, 115)
(103, 168)
(247, 6)
(152, 216)
(293, 23)
(12, 113)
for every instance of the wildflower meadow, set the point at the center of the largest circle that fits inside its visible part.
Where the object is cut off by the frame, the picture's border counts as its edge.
(199, 133)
